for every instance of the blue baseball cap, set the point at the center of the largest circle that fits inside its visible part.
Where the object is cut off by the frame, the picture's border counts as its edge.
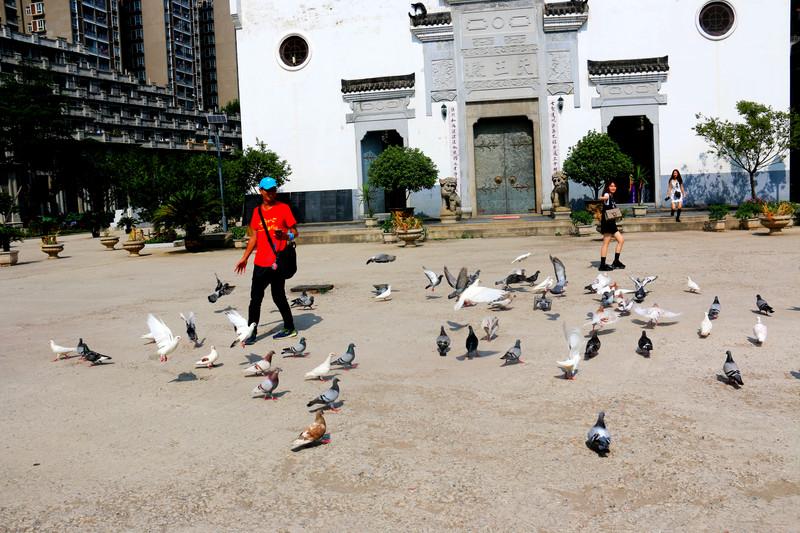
(267, 183)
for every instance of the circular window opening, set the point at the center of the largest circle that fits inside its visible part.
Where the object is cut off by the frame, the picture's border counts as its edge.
(716, 19)
(294, 51)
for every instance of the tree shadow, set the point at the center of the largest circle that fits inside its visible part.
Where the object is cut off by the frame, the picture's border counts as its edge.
(726, 381)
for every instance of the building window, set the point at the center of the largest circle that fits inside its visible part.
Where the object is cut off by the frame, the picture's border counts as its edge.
(37, 25)
(716, 20)
(294, 52)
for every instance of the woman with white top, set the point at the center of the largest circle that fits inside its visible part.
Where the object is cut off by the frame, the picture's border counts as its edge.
(676, 193)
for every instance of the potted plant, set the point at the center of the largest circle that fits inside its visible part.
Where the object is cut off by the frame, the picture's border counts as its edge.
(365, 195)
(135, 242)
(717, 213)
(777, 215)
(108, 240)
(407, 228)
(402, 169)
(639, 180)
(47, 228)
(595, 160)
(387, 231)
(8, 233)
(240, 237)
(187, 210)
(127, 223)
(747, 213)
(582, 220)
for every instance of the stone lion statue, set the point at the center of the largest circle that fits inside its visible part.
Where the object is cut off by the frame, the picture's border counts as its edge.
(451, 202)
(560, 190)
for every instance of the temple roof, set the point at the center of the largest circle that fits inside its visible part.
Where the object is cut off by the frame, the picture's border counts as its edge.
(431, 19)
(629, 66)
(571, 7)
(384, 83)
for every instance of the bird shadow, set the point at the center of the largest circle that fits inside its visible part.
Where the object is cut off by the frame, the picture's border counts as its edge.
(281, 394)
(793, 308)
(295, 355)
(215, 365)
(643, 323)
(323, 408)
(480, 354)
(250, 359)
(599, 453)
(562, 376)
(795, 374)
(326, 439)
(431, 296)
(184, 376)
(455, 326)
(726, 381)
(667, 324)
(753, 341)
(552, 316)
(199, 344)
(601, 332)
(225, 309)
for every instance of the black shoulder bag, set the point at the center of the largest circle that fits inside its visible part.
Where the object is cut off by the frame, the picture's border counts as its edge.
(285, 259)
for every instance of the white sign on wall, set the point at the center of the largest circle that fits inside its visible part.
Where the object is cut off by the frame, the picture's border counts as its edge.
(554, 155)
(452, 141)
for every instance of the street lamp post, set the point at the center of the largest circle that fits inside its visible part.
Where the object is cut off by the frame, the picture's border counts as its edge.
(214, 120)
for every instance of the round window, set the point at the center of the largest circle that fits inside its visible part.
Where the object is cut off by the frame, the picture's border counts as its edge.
(294, 52)
(716, 20)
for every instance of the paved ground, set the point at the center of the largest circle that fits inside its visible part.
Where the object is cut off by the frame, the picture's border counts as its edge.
(422, 442)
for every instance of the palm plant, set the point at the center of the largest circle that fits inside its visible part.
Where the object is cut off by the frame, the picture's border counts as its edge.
(188, 210)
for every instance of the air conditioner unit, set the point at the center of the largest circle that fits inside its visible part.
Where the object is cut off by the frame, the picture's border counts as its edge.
(38, 25)
(37, 8)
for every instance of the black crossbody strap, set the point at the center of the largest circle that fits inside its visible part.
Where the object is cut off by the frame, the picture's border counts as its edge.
(266, 229)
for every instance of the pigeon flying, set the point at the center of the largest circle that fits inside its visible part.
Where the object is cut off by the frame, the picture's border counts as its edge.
(458, 283)
(522, 257)
(472, 343)
(475, 294)
(570, 366)
(443, 343)
(599, 439)
(221, 290)
(760, 331)
(512, 356)
(592, 346)
(296, 350)
(165, 341)
(328, 398)
(313, 433)
(763, 306)
(490, 325)
(645, 345)
(191, 327)
(381, 258)
(561, 276)
(731, 370)
(433, 279)
(240, 326)
(347, 358)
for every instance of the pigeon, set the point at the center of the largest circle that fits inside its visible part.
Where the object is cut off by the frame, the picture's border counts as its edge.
(208, 361)
(458, 283)
(433, 279)
(645, 345)
(530, 280)
(607, 299)
(705, 326)
(148, 337)
(165, 341)
(191, 327)
(472, 344)
(83, 348)
(642, 282)
(731, 370)
(347, 358)
(512, 356)
(381, 258)
(522, 257)
(60, 351)
(544, 285)
(760, 331)
(267, 387)
(261, 366)
(490, 325)
(501, 304)
(713, 311)
(321, 370)
(386, 295)
(601, 318)
(95, 358)
(561, 276)
(443, 343)
(328, 398)
(599, 282)
(296, 350)
(379, 288)
(243, 331)
(313, 433)
(763, 306)
(624, 306)
(570, 366)
(543, 303)
(475, 294)
(654, 314)
(305, 301)
(592, 346)
(640, 295)
(599, 439)
(221, 290)
(473, 277)
(691, 286)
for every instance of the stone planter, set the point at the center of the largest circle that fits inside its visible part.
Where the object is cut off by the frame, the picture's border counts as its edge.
(409, 237)
(133, 247)
(639, 210)
(8, 259)
(749, 223)
(714, 225)
(240, 243)
(583, 230)
(776, 223)
(370, 222)
(109, 242)
(52, 250)
(389, 238)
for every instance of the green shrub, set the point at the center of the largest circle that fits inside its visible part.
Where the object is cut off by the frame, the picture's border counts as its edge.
(717, 211)
(581, 218)
(595, 160)
(401, 167)
(749, 209)
(239, 232)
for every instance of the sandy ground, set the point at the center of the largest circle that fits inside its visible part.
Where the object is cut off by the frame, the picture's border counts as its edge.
(422, 442)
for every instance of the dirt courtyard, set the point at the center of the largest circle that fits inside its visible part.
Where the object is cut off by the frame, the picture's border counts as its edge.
(422, 442)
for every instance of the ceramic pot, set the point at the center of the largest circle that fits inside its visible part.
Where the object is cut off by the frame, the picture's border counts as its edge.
(776, 223)
(52, 250)
(409, 237)
(133, 247)
(109, 242)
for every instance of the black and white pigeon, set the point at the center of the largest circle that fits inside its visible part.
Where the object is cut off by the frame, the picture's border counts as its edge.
(561, 276)
(305, 300)
(87, 354)
(731, 370)
(512, 356)
(513, 277)
(433, 279)
(328, 398)
(763, 306)
(713, 311)
(379, 288)
(347, 358)
(82, 349)
(191, 326)
(640, 295)
(222, 289)
(599, 439)
(443, 343)
(458, 283)
(639, 284)
(472, 343)
(381, 258)
(419, 10)
(645, 345)
(296, 350)
(592, 346)
(542, 303)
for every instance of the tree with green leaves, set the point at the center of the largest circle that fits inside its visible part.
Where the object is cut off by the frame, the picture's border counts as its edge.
(403, 168)
(762, 139)
(595, 160)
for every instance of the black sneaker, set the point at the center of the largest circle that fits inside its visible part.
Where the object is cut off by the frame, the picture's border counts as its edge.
(252, 338)
(618, 264)
(285, 333)
(605, 268)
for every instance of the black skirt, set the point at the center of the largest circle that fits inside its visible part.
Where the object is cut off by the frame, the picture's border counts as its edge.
(608, 226)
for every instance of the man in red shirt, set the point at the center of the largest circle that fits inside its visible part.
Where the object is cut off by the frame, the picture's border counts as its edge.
(282, 228)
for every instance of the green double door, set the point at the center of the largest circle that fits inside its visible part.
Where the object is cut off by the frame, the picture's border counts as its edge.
(504, 165)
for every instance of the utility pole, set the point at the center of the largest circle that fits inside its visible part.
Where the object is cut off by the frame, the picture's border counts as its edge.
(214, 121)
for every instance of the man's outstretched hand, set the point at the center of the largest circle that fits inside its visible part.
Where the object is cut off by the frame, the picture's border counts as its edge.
(241, 266)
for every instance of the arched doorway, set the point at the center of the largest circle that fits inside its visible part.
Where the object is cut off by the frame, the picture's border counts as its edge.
(372, 145)
(634, 135)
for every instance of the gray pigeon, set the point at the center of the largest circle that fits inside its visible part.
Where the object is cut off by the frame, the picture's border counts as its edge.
(561, 276)
(472, 343)
(542, 303)
(639, 285)
(222, 289)
(599, 439)
(305, 301)
(512, 356)
(731, 370)
(645, 345)
(713, 311)
(763, 306)
(381, 258)
(592, 346)
(328, 398)
(443, 343)
(433, 279)
(191, 326)
(297, 350)
(607, 300)
(458, 283)
(82, 348)
(347, 358)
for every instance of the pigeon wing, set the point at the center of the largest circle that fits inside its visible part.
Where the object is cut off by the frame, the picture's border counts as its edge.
(461, 281)
(560, 271)
(160, 332)
(238, 321)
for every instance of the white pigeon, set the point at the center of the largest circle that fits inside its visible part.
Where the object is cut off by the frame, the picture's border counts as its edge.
(166, 342)
(543, 285)
(692, 286)
(260, 367)
(570, 366)
(600, 283)
(625, 306)
(760, 331)
(705, 326)
(502, 304)
(477, 294)
(601, 318)
(148, 337)
(60, 350)
(385, 295)
(654, 314)
(240, 326)
(522, 257)
(209, 360)
(322, 369)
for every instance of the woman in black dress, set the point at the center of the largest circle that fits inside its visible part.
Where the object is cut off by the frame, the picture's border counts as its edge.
(609, 229)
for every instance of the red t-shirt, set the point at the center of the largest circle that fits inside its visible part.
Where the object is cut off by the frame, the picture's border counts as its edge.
(279, 216)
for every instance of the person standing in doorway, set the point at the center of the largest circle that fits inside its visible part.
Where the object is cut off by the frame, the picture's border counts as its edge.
(276, 218)
(608, 227)
(676, 194)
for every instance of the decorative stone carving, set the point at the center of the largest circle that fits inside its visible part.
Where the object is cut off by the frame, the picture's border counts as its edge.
(560, 68)
(500, 50)
(443, 96)
(560, 190)
(451, 201)
(444, 75)
(559, 88)
(509, 83)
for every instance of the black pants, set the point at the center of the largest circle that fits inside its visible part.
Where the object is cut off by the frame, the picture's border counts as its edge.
(263, 276)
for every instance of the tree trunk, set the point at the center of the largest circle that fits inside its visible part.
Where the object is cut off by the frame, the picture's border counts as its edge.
(5, 244)
(753, 185)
